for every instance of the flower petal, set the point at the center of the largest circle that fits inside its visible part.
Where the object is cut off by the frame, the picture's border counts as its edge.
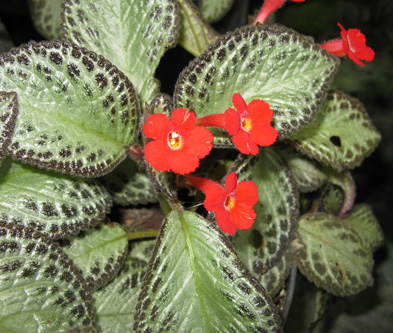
(157, 127)
(239, 103)
(214, 199)
(183, 119)
(198, 141)
(232, 121)
(244, 143)
(156, 153)
(246, 193)
(181, 161)
(230, 183)
(260, 112)
(242, 216)
(224, 221)
(263, 135)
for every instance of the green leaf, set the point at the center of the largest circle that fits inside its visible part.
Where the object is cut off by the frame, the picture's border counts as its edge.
(345, 182)
(214, 11)
(46, 16)
(341, 135)
(161, 103)
(40, 288)
(259, 62)
(128, 185)
(196, 282)
(8, 113)
(99, 253)
(195, 33)
(362, 219)
(53, 204)
(274, 279)
(134, 35)
(307, 173)
(77, 113)
(332, 254)
(332, 199)
(116, 302)
(277, 211)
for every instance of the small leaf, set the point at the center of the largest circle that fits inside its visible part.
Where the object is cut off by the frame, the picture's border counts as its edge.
(195, 33)
(46, 16)
(259, 62)
(8, 113)
(40, 288)
(214, 11)
(195, 281)
(341, 135)
(128, 185)
(116, 302)
(99, 253)
(344, 181)
(134, 35)
(332, 199)
(332, 254)
(362, 219)
(277, 210)
(307, 173)
(53, 204)
(161, 103)
(77, 113)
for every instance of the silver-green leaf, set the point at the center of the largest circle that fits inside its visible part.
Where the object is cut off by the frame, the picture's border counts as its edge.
(116, 302)
(196, 282)
(213, 11)
(99, 253)
(46, 17)
(77, 112)
(261, 246)
(40, 288)
(330, 253)
(341, 134)
(133, 35)
(272, 63)
(195, 33)
(53, 204)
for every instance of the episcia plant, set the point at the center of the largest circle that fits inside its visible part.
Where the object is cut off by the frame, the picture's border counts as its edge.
(249, 161)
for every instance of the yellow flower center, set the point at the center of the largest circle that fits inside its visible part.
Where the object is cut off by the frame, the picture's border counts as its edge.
(230, 202)
(175, 141)
(246, 123)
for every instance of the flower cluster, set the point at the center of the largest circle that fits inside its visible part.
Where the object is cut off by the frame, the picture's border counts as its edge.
(178, 144)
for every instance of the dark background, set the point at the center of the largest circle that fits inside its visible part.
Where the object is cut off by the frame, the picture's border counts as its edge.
(371, 310)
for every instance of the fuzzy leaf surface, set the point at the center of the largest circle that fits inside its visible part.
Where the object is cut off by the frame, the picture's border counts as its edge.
(330, 253)
(213, 11)
(259, 62)
(362, 219)
(46, 16)
(134, 35)
(261, 246)
(341, 134)
(99, 253)
(116, 301)
(195, 281)
(78, 113)
(40, 288)
(307, 173)
(195, 33)
(128, 185)
(8, 112)
(53, 204)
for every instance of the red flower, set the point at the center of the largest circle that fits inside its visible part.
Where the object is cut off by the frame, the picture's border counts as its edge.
(250, 124)
(231, 204)
(352, 44)
(269, 6)
(177, 144)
